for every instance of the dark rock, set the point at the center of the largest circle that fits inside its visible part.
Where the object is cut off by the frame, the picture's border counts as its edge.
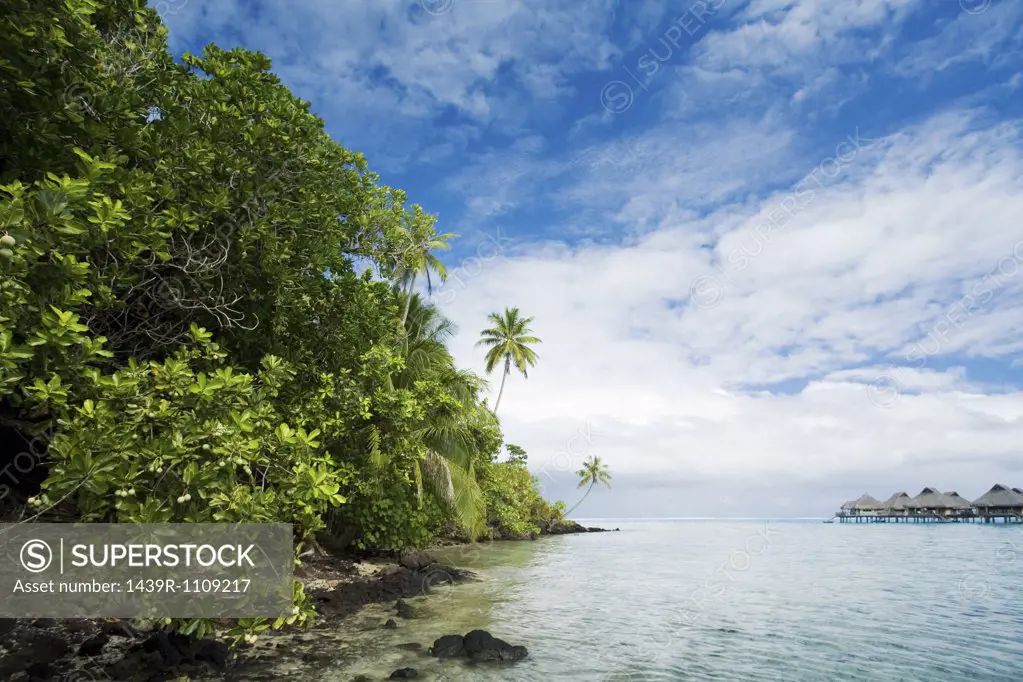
(348, 598)
(568, 527)
(448, 646)
(164, 644)
(362, 678)
(565, 528)
(391, 624)
(29, 646)
(7, 624)
(213, 652)
(94, 645)
(48, 647)
(404, 673)
(476, 641)
(480, 645)
(44, 623)
(177, 649)
(129, 666)
(404, 610)
(515, 652)
(415, 559)
(40, 671)
(83, 625)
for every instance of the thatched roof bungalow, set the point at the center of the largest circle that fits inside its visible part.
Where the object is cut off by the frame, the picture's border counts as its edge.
(1000, 500)
(930, 500)
(958, 502)
(896, 504)
(1000, 504)
(866, 504)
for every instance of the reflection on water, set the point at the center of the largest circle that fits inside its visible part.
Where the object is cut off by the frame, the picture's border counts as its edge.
(711, 600)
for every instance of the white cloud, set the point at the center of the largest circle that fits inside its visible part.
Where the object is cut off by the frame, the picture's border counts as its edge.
(991, 37)
(868, 268)
(785, 374)
(800, 36)
(391, 65)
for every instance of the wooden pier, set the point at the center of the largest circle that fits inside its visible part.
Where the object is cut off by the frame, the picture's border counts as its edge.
(843, 517)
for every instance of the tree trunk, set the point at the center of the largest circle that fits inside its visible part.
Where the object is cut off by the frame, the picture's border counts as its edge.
(592, 483)
(408, 301)
(507, 370)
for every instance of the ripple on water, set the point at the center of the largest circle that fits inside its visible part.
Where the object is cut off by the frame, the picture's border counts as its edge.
(679, 601)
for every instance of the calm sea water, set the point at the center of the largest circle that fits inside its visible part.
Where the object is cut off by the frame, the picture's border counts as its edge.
(718, 600)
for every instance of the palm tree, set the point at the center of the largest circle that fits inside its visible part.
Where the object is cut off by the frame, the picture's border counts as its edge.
(509, 340)
(418, 242)
(594, 471)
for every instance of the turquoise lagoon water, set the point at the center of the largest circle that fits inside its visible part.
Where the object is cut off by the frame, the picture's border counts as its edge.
(718, 600)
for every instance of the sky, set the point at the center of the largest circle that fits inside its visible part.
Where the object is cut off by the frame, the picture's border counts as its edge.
(773, 248)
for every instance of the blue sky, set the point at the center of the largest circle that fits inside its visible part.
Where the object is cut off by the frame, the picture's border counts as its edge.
(772, 247)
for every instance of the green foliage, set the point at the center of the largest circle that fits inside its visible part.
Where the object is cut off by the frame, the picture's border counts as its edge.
(389, 518)
(515, 507)
(516, 453)
(179, 301)
(189, 439)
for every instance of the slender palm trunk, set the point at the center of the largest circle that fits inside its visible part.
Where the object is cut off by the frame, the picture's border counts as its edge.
(592, 483)
(507, 371)
(408, 300)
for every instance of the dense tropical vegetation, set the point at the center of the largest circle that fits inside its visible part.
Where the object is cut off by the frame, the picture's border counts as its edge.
(184, 319)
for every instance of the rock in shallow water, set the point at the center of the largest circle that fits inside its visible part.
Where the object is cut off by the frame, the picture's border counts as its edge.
(404, 673)
(404, 610)
(347, 598)
(478, 645)
(415, 559)
(391, 624)
(448, 646)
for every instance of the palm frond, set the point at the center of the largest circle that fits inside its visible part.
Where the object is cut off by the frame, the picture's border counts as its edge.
(469, 505)
(436, 477)
(376, 455)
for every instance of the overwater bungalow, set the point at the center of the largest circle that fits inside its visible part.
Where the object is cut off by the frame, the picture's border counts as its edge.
(897, 504)
(867, 505)
(1000, 502)
(960, 505)
(930, 502)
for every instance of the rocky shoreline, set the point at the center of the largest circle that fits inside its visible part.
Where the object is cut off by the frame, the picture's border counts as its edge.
(44, 649)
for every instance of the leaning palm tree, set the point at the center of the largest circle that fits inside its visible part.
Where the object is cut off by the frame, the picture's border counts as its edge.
(418, 242)
(594, 471)
(509, 340)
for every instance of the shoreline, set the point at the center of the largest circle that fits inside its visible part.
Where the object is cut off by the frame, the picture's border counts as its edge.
(340, 585)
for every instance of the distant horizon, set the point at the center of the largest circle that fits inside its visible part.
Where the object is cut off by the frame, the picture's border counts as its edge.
(701, 518)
